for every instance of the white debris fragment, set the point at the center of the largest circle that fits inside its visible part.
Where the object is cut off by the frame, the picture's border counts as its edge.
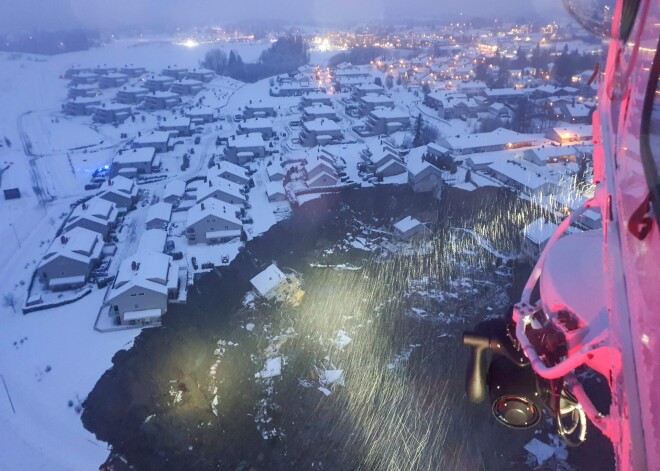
(342, 339)
(325, 391)
(273, 368)
(541, 451)
(214, 404)
(249, 327)
(332, 378)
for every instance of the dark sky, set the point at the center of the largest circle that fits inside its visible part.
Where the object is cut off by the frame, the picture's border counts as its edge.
(55, 14)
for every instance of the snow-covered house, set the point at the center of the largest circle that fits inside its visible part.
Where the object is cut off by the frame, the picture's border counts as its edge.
(160, 141)
(570, 133)
(264, 126)
(158, 83)
(187, 87)
(114, 79)
(575, 113)
(161, 100)
(319, 111)
(175, 72)
(322, 179)
(212, 221)
(81, 106)
(368, 103)
(179, 125)
(96, 214)
(537, 234)
(320, 132)
(131, 162)
(544, 155)
(386, 121)
(159, 215)
(391, 168)
(367, 89)
(228, 171)
(499, 139)
(131, 94)
(245, 148)
(69, 259)
(201, 115)
(173, 192)
(528, 179)
(275, 191)
(270, 283)
(112, 113)
(409, 229)
(423, 176)
(275, 172)
(260, 110)
(133, 70)
(317, 167)
(143, 285)
(315, 98)
(120, 190)
(201, 75)
(222, 190)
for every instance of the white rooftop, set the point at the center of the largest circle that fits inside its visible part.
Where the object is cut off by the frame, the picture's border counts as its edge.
(268, 279)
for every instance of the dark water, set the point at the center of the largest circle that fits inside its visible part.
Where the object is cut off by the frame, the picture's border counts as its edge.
(402, 406)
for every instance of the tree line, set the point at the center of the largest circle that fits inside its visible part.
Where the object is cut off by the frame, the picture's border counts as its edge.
(283, 56)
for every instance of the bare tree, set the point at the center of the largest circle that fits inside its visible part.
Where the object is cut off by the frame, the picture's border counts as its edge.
(9, 300)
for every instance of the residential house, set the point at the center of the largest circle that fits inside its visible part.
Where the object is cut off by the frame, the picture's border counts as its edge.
(81, 106)
(409, 229)
(160, 141)
(264, 126)
(121, 191)
(173, 192)
(536, 237)
(158, 83)
(96, 214)
(187, 87)
(112, 80)
(222, 190)
(275, 191)
(201, 75)
(112, 113)
(175, 72)
(141, 290)
(159, 215)
(245, 148)
(69, 259)
(319, 112)
(131, 94)
(213, 221)
(132, 162)
(161, 101)
(320, 132)
(369, 103)
(179, 125)
(384, 121)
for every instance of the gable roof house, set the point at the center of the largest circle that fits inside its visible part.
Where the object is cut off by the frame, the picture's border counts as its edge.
(69, 259)
(121, 191)
(143, 285)
(96, 214)
(212, 221)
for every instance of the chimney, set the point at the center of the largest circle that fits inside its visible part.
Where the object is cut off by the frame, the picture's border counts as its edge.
(202, 206)
(134, 265)
(64, 239)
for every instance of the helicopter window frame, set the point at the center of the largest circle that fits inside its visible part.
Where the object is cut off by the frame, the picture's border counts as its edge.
(651, 170)
(628, 14)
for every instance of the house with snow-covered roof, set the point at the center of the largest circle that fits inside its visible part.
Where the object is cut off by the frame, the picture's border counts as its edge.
(409, 229)
(275, 172)
(132, 162)
(178, 126)
(95, 214)
(112, 80)
(536, 236)
(158, 83)
(112, 113)
(368, 103)
(201, 75)
(387, 121)
(565, 133)
(275, 191)
(159, 215)
(121, 191)
(222, 190)
(161, 100)
(186, 87)
(142, 287)
(316, 167)
(367, 89)
(315, 98)
(269, 283)
(228, 171)
(499, 139)
(174, 71)
(213, 221)
(69, 259)
(244, 148)
(173, 192)
(319, 111)
(81, 106)
(522, 176)
(320, 132)
(261, 109)
(575, 113)
(131, 94)
(264, 126)
(423, 176)
(160, 141)
(200, 114)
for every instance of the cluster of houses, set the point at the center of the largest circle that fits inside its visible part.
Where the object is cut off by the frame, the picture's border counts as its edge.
(134, 88)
